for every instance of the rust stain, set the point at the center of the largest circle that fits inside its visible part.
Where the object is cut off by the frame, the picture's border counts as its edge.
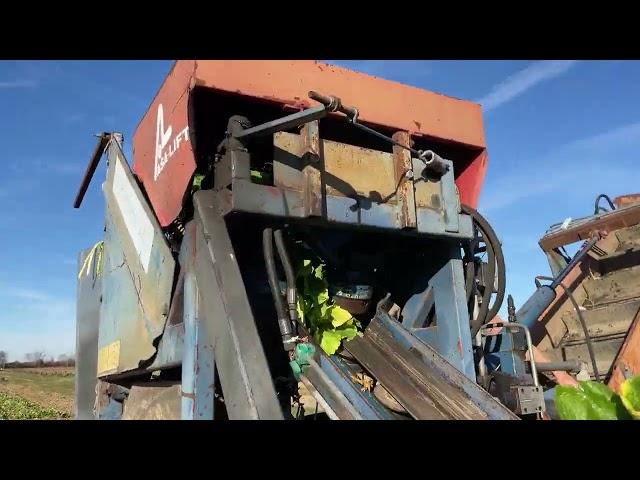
(405, 197)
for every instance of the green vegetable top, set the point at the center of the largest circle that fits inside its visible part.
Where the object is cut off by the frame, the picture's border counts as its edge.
(596, 401)
(328, 323)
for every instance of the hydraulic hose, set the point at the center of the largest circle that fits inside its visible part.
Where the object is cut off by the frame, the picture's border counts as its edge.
(269, 260)
(597, 206)
(292, 294)
(495, 261)
(583, 324)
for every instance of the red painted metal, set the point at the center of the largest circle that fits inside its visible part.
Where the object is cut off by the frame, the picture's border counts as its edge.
(165, 171)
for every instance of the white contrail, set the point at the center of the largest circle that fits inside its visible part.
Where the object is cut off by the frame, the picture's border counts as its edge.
(521, 81)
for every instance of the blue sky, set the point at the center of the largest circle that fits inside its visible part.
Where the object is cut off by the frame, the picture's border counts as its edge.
(558, 134)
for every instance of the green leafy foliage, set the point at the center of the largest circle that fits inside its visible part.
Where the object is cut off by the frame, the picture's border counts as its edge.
(630, 396)
(328, 323)
(262, 178)
(197, 182)
(589, 401)
(16, 408)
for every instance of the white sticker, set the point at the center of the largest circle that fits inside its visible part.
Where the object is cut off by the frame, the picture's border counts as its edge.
(135, 218)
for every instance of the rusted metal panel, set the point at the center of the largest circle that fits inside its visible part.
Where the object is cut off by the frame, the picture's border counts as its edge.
(138, 274)
(602, 321)
(312, 170)
(162, 142)
(405, 192)
(628, 358)
(380, 102)
(621, 218)
(349, 171)
(162, 150)
(152, 402)
(626, 200)
(423, 382)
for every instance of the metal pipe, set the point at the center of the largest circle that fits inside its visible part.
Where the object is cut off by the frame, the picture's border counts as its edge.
(537, 303)
(432, 161)
(284, 123)
(597, 207)
(292, 294)
(269, 260)
(564, 366)
(583, 324)
(574, 261)
(515, 326)
(103, 140)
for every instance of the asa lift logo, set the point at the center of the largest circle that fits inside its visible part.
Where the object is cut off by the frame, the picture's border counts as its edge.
(163, 137)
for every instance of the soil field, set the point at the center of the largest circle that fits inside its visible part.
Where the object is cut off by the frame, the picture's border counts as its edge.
(29, 393)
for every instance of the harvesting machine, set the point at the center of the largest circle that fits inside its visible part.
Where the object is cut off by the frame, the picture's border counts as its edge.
(295, 239)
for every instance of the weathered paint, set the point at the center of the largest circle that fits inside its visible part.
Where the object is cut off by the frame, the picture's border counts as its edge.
(165, 171)
(627, 362)
(87, 326)
(155, 401)
(583, 230)
(198, 361)
(312, 173)
(135, 300)
(164, 121)
(227, 320)
(450, 393)
(405, 190)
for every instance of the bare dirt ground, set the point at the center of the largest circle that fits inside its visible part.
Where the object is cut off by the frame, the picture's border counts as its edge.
(51, 388)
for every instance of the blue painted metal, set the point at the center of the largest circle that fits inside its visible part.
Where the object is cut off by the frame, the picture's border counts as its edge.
(284, 202)
(451, 336)
(170, 349)
(227, 318)
(112, 411)
(120, 308)
(428, 335)
(415, 311)
(198, 365)
(365, 404)
(136, 287)
(87, 325)
(508, 349)
(454, 335)
(437, 363)
(198, 362)
(529, 313)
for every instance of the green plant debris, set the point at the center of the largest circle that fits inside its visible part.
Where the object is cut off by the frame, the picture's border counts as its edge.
(16, 408)
(262, 178)
(630, 396)
(589, 401)
(328, 323)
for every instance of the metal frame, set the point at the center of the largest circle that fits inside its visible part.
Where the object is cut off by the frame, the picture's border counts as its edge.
(451, 336)
(300, 199)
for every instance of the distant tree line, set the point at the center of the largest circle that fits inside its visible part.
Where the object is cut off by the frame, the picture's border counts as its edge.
(37, 359)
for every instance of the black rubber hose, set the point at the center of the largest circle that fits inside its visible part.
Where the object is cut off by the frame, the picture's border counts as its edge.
(596, 208)
(496, 259)
(470, 273)
(270, 263)
(292, 295)
(587, 337)
(483, 314)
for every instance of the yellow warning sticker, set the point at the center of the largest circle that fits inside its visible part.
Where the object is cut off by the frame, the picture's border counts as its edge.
(109, 358)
